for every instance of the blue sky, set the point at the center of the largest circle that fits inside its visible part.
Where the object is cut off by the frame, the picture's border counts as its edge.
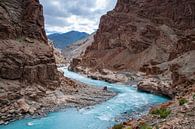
(81, 15)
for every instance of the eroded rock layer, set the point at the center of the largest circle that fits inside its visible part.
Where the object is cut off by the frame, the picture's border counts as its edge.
(21, 18)
(156, 37)
(150, 36)
(138, 32)
(27, 65)
(24, 53)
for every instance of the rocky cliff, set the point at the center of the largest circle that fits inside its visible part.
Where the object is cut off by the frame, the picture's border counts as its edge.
(25, 54)
(151, 36)
(21, 18)
(27, 65)
(139, 32)
(30, 84)
(156, 37)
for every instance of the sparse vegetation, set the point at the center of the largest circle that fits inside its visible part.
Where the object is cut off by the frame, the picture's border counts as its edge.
(145, 126)
(183, 101)
(162, 112)
(128, 127)
(193, 97)
(118, 126)
(20, 39)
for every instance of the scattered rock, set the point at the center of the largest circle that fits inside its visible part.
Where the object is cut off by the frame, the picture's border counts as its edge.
(29, 40)
(23, 106)
(105, 88)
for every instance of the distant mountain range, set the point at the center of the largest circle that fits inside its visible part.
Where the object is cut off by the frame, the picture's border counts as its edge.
(64, 39)
(77, 49)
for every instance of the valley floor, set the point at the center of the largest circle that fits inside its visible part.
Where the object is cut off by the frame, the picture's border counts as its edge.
(35, 100)
(178, 113)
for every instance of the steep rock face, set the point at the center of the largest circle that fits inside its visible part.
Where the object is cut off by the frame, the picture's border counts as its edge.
(27, 65)
(139, 32)
(25, 54)
(20, 18)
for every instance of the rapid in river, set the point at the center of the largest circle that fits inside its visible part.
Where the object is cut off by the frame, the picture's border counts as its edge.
(127, 102)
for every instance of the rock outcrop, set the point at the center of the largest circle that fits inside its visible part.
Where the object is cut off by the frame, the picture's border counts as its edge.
(30, 84)
(21, 18)
(140, 32)
(25, 54)
(146, 35)
(27, 65)
(156, 37)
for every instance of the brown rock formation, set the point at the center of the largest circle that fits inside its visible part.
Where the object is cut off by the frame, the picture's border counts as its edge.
(140, 32)
(27, 65)
(149, 36)
(21, 18)
(156, 37)
(24, 52)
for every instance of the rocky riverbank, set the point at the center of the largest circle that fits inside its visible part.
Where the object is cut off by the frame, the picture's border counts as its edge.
(30, 84)
(29, 104)
(178, 113)
(108, 75)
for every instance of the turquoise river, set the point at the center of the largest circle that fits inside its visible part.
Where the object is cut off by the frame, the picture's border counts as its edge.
(127, 102)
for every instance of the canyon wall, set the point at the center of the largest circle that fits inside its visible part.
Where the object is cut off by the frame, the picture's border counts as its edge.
(28, 71)
(21, 18)
(156, 37)
(140, 32)
(25, 54)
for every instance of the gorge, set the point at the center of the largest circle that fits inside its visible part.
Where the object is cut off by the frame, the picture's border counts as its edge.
(100, 116)
(153, 40)
(142, 49)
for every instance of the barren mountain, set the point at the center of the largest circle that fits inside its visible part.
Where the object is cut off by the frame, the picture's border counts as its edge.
(29, 81)
(24, 49)
(62, 40)
(26, 59)
(152, 36)
(77, 49)
(140, 32)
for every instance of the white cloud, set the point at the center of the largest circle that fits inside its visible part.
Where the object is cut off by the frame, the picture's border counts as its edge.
(81, 15)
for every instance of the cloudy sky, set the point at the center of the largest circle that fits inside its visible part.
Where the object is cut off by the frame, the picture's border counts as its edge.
(82, 15)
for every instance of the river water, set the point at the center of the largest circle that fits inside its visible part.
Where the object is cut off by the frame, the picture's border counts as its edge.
(128, 102)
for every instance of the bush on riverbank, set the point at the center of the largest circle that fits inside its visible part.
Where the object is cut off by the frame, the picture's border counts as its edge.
(162, 112)
(145, 126)
(118, 126)
(183, 101)
(193, 97)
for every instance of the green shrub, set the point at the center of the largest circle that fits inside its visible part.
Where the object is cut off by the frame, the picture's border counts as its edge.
(119, 126)
(20, 39)
(145, 126)
(128, 128)
(193, 97)
(182, 101)
(162, 112)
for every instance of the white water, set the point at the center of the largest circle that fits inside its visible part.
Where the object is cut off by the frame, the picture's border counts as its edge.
(102, 116)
